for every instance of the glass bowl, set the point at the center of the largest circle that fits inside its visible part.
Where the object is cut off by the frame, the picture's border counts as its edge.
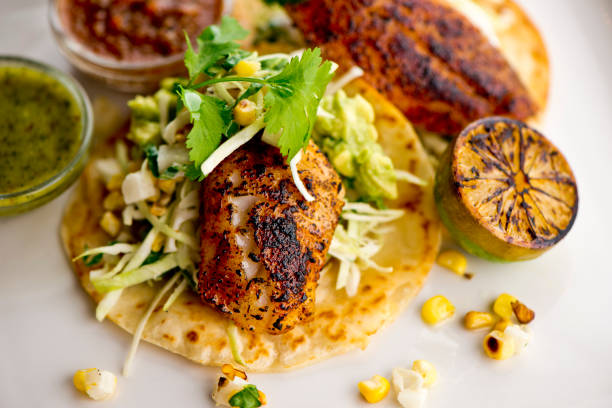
(30, 198)
(126, 76)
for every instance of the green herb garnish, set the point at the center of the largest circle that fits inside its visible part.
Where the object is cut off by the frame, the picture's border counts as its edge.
(93, 260)
(290, 105)
(211, 117)
(247, 398)
(214, 44)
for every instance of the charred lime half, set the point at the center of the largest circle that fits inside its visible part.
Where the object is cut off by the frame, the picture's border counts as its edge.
(504, 192)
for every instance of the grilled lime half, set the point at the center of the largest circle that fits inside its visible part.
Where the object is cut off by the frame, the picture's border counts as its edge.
(504, 192)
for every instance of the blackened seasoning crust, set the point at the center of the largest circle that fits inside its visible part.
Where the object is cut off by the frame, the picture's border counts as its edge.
(259, 224)
(424, 56)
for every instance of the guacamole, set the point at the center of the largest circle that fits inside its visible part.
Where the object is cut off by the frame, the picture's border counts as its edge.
(346, 133)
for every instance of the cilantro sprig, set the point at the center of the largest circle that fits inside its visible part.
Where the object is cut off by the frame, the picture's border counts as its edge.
(214, 44)
(290, 104)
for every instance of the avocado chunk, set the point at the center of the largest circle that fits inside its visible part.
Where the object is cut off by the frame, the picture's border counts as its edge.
(144, 126)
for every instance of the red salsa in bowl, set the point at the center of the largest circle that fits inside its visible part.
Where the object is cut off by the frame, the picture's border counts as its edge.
(130, 44)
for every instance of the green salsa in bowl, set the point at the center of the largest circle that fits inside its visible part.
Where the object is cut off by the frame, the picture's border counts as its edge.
(45, 133)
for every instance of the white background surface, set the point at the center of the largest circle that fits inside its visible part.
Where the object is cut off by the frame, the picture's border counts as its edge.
(47, 328)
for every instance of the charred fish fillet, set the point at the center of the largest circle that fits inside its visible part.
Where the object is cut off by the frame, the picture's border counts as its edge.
(423, 55)
(263, 245)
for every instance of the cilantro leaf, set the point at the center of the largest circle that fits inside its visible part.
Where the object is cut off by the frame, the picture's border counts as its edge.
(210, 117)
(234, 58)
(248, 397)
(94, 260)
(151, 154)
(193, 173)
(214, 44)
(293, 99)
(152, 257)
(169, 173)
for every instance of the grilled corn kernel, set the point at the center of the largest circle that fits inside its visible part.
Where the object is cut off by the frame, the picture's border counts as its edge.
(498, 346)
(503, 306)
(502, 324)
(523, 314)
(478, 320)
(374, 389)
(97, 384)
(247, 68)
(262, 397)
(158, 210)
(232, 372)
(244, 112)
(156, 246)
(427, 370)
(115, 182)
(113, 201)
(454, 261)
(180, 137)
(167, 186)
(110, 224)
(437, 309)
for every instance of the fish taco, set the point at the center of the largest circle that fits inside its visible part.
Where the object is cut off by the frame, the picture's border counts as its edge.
(252, 213)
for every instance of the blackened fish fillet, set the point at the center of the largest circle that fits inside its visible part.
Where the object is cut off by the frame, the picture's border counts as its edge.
(263, 245)
(424, 56)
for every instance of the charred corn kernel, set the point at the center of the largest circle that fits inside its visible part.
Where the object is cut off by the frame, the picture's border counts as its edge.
(180, 137)
(498, 346)
(374, 389)
(478, 320)
(115, 182)
(110, 223)
(437, 309)
(523, 314)
(427, 370)
(113, 201)
(232, 372)
(244, 112)
(503, 306)
(454, 261)
(262, 397)
(97, 384)
(158, 210)
(502, 324)
(167, 186)
(247, 68)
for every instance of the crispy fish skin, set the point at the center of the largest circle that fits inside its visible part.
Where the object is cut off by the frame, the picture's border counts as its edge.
(423, 55)
(263, 245)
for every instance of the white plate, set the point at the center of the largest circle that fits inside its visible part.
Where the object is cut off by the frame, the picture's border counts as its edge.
(47, 328)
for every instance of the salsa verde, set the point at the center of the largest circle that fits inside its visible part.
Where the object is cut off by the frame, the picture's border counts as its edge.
(40, 127)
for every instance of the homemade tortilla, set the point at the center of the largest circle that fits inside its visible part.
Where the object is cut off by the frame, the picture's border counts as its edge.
(196, 331)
